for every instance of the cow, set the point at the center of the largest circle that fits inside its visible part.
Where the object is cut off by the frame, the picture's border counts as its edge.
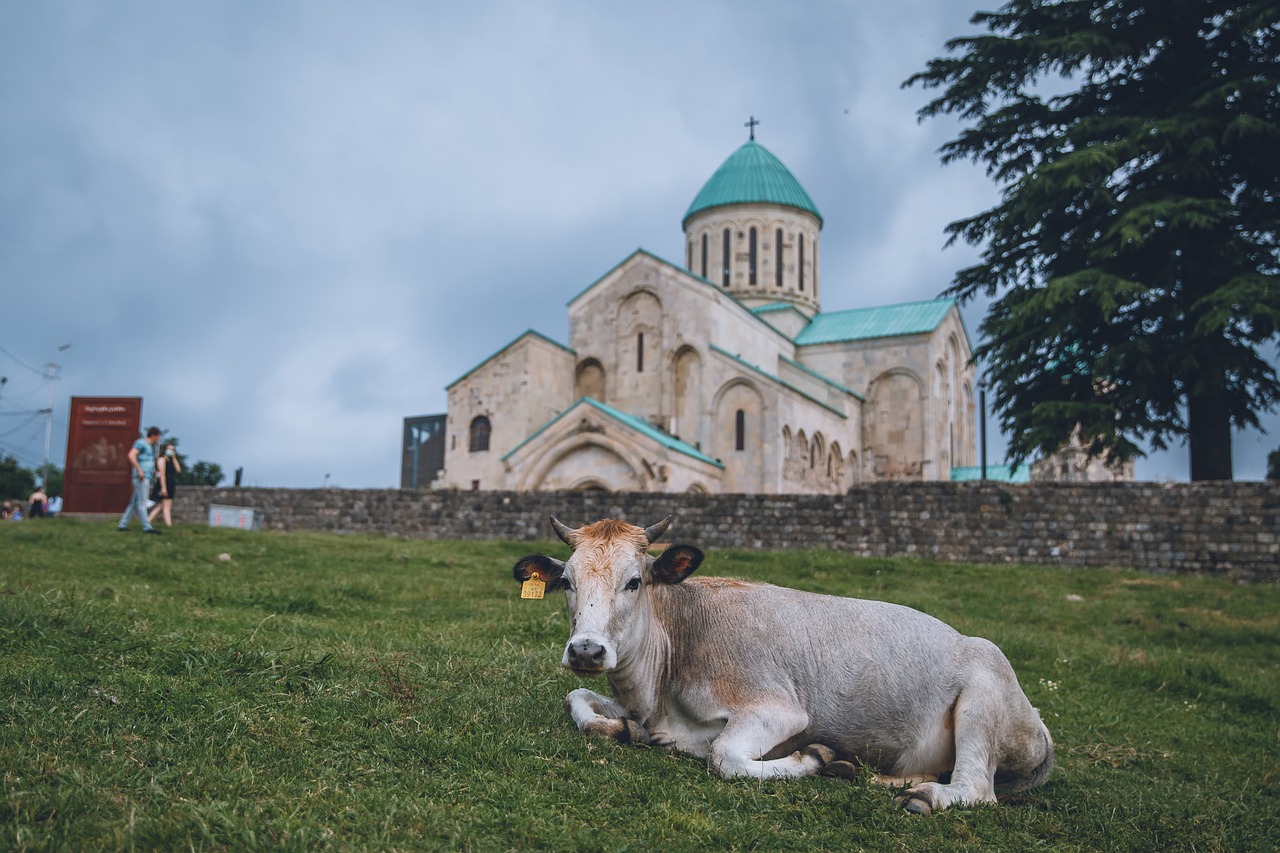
(769, 682)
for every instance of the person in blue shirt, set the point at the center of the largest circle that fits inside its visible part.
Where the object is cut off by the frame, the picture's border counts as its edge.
(142, 458)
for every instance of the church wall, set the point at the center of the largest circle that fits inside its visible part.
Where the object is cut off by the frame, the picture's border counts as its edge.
(891, 373)
(745, 466)
(519, 390)
(919, 415)
(813, 447)
(679, 317)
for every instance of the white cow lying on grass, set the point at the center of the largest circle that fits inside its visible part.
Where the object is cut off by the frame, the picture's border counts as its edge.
(765, 681)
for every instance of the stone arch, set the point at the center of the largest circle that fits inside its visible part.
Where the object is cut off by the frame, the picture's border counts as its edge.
(697, 489)
(835, 467)
(855, 468)
(817, 452)
(894, 432)
(687, 394)
(637, 380)
(595, 461)
(796, 469)
(944, 440)
(744, 469)
(590, 380)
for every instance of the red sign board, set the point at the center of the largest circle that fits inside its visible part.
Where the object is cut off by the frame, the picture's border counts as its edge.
(102, 430)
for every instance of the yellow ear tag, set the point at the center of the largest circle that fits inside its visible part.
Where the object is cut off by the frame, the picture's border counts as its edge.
(533, 587)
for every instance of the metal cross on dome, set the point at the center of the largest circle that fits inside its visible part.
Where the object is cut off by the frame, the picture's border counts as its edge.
(751, 127)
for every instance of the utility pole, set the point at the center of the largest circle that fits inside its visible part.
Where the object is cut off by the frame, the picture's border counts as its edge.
(52, 376)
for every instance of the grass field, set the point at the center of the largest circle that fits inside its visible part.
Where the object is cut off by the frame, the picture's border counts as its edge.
(324, 692)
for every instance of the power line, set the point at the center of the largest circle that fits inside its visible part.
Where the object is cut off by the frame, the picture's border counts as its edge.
(29, 420)
(29, 461)
(21, 362)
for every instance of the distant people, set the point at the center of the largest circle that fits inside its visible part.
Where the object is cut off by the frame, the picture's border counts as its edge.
(38, 504)
(6, 511)
(166, 484)
(142, 460)
(55, 505)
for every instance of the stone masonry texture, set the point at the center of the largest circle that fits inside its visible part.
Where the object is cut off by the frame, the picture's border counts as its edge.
(1231, 529)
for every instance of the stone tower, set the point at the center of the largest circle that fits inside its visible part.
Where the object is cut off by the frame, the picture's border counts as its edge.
(753, 230)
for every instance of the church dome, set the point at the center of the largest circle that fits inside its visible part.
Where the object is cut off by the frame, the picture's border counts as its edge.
(752, 175)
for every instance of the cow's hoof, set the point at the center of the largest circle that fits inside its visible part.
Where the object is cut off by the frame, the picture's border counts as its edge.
(633, 732)
(916, 802)
(842, 770)
(824, 755)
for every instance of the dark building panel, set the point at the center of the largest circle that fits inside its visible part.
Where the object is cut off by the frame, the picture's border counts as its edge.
(422, 451)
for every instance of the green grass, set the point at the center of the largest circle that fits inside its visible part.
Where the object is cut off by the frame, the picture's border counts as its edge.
(328, 692)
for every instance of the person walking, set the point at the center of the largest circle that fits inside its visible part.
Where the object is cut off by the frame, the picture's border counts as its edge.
(142, 457)
(166, 484)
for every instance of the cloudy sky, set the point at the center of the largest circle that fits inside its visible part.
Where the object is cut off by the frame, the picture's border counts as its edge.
(289, 225)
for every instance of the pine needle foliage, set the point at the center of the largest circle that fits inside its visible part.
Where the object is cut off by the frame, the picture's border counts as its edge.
(1132, 259)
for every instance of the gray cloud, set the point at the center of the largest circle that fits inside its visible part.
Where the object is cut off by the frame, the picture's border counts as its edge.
(289, 225)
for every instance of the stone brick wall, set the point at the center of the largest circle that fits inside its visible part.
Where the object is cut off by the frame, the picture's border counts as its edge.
(1228, 529)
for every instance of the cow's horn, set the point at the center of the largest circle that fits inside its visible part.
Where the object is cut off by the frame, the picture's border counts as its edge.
(567, 534)
(654, 533)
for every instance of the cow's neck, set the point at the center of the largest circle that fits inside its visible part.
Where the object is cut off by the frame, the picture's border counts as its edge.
(639, 679)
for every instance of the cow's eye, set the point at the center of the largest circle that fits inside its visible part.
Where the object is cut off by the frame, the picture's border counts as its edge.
(633, 584)
(566, 585)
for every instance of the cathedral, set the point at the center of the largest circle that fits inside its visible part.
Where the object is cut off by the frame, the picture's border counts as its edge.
(724, 374)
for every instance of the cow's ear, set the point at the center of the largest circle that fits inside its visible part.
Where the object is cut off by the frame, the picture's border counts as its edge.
(676, 563)
(549, 569)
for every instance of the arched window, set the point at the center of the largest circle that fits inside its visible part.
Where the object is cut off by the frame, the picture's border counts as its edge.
(801, 266)
(725, 272)
(777, 267)
(740, 430)
(480, 434)
(704, 254)
(751, 253)
(640, 353)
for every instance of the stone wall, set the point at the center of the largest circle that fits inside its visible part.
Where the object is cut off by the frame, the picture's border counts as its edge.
(1225, 528)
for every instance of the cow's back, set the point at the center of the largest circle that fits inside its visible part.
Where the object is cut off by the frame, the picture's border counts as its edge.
(870, 674)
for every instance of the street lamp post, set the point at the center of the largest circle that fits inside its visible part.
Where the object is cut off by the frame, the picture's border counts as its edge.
(982, 425)
(48, 413)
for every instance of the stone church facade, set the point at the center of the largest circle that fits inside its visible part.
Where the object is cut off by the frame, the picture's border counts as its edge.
(721, 375)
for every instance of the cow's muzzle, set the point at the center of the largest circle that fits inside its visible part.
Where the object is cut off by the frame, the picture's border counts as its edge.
(586, 657)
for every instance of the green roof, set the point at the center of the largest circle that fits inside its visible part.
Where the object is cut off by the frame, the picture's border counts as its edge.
(911, 318)
(752, 175)
(995, 473)
(638, 424)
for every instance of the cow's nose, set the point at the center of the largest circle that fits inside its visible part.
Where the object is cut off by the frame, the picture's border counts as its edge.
(586, 654)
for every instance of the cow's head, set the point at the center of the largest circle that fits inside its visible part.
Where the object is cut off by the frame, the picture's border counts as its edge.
(606, 581)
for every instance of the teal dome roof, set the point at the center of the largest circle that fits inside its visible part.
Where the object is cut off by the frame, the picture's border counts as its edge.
(752, 175)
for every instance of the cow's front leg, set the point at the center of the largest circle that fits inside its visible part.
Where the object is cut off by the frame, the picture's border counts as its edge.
(752, 734)
(603, 717)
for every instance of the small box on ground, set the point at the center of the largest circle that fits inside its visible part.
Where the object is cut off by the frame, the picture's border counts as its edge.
(234, 516)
